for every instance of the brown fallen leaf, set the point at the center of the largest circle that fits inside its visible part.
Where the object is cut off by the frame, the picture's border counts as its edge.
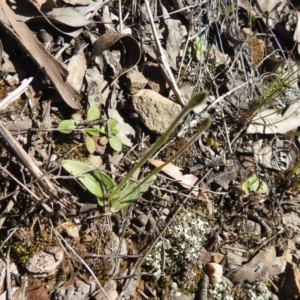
(186, 180)
(45, 61)
(37, 291)
(291, 286)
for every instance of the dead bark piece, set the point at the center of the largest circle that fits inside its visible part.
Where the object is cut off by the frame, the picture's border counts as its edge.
(45, 61)
(291, 286)
(264, 265)
(174, 38)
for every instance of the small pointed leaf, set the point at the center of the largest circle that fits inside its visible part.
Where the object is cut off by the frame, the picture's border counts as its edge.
(115, 143)
(93, 113)
(90, 144)
(98, 183)
(66, 126)
(92, 132)
(119, 203)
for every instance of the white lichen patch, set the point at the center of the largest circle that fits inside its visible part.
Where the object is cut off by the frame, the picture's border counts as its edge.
(228, 291)
(176, 254)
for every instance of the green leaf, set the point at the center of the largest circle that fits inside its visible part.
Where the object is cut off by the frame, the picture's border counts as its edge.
(92, 132)
(115, 143)
(230, 8)
(66, 126)
(100, 128)
(112, 124)
(255, 185)
(126, 197)
(77, 117)
(199, 49)
(93, 113)
(263, 188)
(96, 182)
(103, 140)
(90, 144)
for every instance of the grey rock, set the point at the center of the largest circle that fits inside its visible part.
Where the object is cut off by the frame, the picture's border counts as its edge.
(76, 288)
(135, 81)
(45, 262)
(155, 111)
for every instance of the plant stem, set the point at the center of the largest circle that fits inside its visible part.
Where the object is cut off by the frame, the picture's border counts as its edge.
(196, 100)
(203, 126)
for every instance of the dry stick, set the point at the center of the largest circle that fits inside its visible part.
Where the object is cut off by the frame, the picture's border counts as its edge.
(26, 160)
(222, 97)
(14, 95)
(183, 55)
(8, 277)
(81, 260)
(6, 210)
(226, 132)
(120, 17)
(45, 206)
(163, 60)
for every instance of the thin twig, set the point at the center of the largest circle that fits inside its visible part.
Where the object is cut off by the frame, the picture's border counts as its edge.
(226, 132)
(45, 206)
(27, 161)
(163, 60)
(15, 95)
(59, 237)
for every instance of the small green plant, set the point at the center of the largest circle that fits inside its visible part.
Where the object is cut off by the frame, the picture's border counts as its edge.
(292, 179)
(94, 133)
(121, 195)
(277, 86)
(253, 184)
(199, 49)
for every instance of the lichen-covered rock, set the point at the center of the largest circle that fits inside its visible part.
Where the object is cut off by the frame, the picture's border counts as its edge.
(76, 288)
(45, 262)
(155, 111)
(135, 81)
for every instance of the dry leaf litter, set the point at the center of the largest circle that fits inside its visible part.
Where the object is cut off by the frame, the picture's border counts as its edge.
(221, 221)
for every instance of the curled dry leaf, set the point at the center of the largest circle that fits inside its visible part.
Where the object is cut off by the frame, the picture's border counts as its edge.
(67, 16)
(132, 49)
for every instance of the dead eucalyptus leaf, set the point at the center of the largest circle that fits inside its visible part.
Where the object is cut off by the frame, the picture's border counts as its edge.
(71, 31)
(76, 68)
(132, 49)
(271, 121)
(69, 16)
(185, 180)
(77, 2)
(45, 61)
